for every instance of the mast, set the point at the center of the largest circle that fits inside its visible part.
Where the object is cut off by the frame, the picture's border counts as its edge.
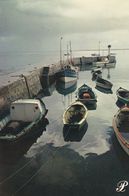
(70, 52)
(61, 62)
(99, 48)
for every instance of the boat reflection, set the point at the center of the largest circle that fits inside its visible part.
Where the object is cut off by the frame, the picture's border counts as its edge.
(102, 90)
(73, 135)
(10, 153)
(91, 106)
(47, 91)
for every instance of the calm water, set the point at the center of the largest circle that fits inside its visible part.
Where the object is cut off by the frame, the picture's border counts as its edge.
(56, 164)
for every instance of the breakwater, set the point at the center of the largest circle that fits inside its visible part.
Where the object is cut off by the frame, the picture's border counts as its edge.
(25, 86)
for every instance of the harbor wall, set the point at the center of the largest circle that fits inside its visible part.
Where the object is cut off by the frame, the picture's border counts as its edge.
(18, 88)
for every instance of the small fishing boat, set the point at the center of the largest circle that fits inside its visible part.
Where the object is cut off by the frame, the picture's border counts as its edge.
(123, 95)
(96, 74)
(25, 115)
(121, 127)
(102, 83)
(86, 95)
(75, 115)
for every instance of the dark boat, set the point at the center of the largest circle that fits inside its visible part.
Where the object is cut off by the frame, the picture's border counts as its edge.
(121, 127)
(96, 74)
(86, 95)
(75, 115)
(70, 134)
(102, 83)
(24, 118)
(103, 90)
(123, 95)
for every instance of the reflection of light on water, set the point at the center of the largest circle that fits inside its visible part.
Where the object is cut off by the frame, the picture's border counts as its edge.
(96, 144)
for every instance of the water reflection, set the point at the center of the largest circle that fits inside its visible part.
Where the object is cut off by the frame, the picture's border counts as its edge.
(73, 135)
(46, 91)
(91, 106)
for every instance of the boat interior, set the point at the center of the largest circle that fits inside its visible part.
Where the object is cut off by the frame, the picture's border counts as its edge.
(124, 94)
(13, 128)
(123, 124)
(86, 95)
(74, 114)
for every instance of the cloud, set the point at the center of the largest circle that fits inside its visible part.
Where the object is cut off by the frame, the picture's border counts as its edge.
(29, 23)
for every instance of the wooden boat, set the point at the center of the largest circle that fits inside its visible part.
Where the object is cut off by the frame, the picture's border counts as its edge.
(123, 95)
(102, 83)
(25, 115)
(75, 115)
(121, 127)
(86, 95)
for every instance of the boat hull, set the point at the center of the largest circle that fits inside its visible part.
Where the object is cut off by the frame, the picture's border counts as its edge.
(122, 98)
(102, 83)
(66, 75)
(27, 132)
(98, 84)
(121, 139)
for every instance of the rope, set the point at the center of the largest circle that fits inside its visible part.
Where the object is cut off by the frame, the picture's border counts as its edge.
(24, 166)
(29, 180)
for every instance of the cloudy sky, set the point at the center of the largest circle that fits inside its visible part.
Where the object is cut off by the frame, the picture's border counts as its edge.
(36, 25)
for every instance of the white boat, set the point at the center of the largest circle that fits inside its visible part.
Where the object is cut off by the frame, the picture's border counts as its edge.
(25, 115)
(75, 115)
(121, 127)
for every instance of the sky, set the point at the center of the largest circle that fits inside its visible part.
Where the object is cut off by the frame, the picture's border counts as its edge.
(37, 25)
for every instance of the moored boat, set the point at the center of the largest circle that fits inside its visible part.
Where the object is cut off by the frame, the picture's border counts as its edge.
(123, 95)
(96, 74)
(102, 83)
(67, 74)
(86, 95)
(121, 127)
(96, 69)
(25, 115)
(75, 115)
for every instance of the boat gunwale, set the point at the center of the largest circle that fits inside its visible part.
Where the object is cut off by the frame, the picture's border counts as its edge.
(117, 132)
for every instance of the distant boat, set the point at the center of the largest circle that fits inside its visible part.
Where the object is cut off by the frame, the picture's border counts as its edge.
(102, 83)
(25, 115)
(75, 115)
(123, 95)
(86, 95)
(121, 128)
